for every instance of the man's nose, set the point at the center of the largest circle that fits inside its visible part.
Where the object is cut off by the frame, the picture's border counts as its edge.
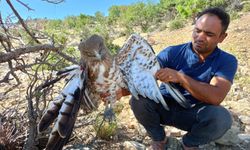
(201, 36)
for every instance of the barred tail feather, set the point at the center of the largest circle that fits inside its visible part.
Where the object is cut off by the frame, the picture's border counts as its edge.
(51, 114)
(65, 123)
(65, 108)
(65, 115)
(56, 142)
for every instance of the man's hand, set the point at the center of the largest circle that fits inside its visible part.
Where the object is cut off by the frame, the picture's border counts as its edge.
(167, 75)
(119, 94)
(211, 93)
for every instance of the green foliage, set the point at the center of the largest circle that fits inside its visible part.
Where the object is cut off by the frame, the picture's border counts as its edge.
(70, 22)
(115, 13)
(234, 15)
(105, 129)
(55, 24)
(60, 38)
(140, 14)
(190, 8)
(27, 38)
(176, 24)
(218, 3)
(127, 19)
(246, 7)
(77, 22)
(113, 48)
(138, 17)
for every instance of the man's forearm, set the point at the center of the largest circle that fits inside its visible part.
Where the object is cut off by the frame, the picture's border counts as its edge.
(204, 92)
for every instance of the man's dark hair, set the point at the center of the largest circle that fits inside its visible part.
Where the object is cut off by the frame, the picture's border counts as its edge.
(220, 13)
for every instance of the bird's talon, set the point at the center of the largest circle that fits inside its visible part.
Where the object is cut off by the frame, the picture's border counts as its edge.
(109, 115)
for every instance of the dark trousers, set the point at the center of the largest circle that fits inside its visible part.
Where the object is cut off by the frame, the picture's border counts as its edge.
(204, 123)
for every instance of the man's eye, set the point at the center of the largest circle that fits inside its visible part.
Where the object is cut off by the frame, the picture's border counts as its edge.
(210, 34)
(197, 31)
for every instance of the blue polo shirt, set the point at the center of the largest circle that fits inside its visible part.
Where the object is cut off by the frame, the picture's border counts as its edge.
(183, 59)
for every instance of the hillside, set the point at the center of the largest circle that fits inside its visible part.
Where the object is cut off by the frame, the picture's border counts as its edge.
(131, 135)
(130, 132)
(237, 43)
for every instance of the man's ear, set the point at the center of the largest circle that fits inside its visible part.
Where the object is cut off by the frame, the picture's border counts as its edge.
(222, 37)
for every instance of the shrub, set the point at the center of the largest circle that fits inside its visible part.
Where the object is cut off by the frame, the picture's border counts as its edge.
(246, 7)
(176, 24)
(105, 129)
(234, 15)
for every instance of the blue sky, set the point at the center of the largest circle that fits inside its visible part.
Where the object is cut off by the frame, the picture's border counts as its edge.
(44, 9)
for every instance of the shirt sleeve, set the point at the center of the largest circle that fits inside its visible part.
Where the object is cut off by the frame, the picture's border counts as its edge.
(163, 57)
(228, 68)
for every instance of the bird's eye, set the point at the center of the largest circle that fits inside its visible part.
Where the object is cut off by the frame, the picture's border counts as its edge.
(81, 40)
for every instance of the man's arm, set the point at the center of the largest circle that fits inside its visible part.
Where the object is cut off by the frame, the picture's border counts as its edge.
(212, 93)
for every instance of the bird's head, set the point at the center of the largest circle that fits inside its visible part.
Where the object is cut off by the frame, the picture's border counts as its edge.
(93, 48)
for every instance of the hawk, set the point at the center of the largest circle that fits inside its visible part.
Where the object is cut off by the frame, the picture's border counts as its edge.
(133, 68)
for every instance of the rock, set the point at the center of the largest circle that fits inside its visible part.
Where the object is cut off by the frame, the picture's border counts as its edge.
(245, 119)
(247, 129)
(175, 132)
(133, 145)
(173, 144)
(244, 137)
(209, 146)
(75, 147)
(142, 130)
(230, 137)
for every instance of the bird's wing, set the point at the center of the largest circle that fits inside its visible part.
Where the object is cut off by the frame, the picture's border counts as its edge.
(178, 97)
(138, 64)
(64, 108)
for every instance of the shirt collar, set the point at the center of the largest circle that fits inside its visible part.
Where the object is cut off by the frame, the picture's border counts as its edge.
(212, 55)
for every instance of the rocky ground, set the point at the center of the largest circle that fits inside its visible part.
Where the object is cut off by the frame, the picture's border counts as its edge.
(131, 135)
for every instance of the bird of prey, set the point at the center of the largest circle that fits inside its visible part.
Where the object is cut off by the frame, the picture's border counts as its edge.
(133, 68)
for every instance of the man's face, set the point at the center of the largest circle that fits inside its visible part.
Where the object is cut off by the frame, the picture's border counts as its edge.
(207, 34)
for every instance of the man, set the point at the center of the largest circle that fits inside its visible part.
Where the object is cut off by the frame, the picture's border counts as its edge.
(204, 74)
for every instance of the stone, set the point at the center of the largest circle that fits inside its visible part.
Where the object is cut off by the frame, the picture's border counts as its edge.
(245, 119)
(133, 145)
(131, 125)
(230, 137)
(76, 146)
(244, 137)
(175, 132)
(173, 144)
(142, 130)
(247, 128)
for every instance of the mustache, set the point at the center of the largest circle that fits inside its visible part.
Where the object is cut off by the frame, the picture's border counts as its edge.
(199, 42)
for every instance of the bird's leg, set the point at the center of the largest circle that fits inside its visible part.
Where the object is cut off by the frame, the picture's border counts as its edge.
(109, 114)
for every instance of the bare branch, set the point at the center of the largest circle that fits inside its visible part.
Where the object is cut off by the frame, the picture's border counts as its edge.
(13, 72)
(70, 59)
(4, 57)
(6, 38)
(25, 5)
(22, 22)
(48, 83)
(6, 78)
(54, 1)
(3, 38)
